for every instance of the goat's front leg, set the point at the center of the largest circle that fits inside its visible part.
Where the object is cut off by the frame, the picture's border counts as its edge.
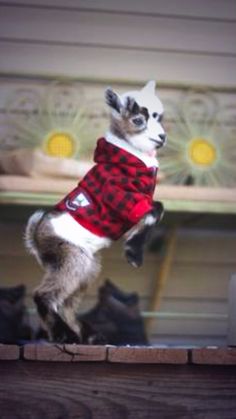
(137, 237)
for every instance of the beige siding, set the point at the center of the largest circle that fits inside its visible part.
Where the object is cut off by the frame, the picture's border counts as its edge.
(185, 42)
(92, 29)
(212, 9)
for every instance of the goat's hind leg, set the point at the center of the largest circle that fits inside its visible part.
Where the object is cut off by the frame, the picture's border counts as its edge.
(73, 273)
(138, 236)
(48, 309)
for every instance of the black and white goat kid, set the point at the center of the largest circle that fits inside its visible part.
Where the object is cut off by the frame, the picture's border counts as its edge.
(66, 244)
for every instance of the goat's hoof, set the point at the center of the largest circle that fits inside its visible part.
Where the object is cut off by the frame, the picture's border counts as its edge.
(65, 337)
(62, 333)
(158, 210)
(134, 258)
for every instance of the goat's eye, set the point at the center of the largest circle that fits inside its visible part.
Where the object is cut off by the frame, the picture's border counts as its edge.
(137, 121)
(157, 116)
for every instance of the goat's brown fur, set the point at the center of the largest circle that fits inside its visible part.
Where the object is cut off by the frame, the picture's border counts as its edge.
(69, 271)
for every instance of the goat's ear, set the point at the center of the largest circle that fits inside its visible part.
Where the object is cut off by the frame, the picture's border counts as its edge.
(113, 100)
(149, 87)
(131, 105)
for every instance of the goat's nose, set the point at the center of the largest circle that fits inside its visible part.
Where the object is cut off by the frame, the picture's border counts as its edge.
(162, 137)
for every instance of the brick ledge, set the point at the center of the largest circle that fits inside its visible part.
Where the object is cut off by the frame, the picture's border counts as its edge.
(123, 354)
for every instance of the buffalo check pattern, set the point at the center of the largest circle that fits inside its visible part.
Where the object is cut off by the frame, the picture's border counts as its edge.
(114, 195)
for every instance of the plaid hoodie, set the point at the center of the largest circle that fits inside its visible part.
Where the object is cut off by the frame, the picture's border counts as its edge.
(114, 195)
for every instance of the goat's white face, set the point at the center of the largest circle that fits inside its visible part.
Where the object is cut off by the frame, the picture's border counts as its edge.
(136, 118)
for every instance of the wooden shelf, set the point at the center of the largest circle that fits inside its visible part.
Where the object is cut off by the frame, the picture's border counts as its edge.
(20, 190)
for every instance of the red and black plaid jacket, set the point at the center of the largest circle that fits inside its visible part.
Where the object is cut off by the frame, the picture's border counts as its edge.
(114, 195)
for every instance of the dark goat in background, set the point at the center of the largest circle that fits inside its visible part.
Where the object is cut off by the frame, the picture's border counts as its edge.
(14, 326)
(115, 319)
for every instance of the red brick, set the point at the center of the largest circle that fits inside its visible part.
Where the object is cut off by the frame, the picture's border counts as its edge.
(147, 355)
(66, 352)
(9, 352)
(214, 356)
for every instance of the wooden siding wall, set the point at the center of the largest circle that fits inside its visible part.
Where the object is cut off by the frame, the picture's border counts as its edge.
(181, 42)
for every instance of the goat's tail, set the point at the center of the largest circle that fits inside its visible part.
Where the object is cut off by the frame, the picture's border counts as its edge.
(30, 232)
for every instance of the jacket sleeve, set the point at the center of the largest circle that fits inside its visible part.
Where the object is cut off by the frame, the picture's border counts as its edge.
(128, 203)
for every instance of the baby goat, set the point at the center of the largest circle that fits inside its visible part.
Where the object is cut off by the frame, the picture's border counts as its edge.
(114, 198)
